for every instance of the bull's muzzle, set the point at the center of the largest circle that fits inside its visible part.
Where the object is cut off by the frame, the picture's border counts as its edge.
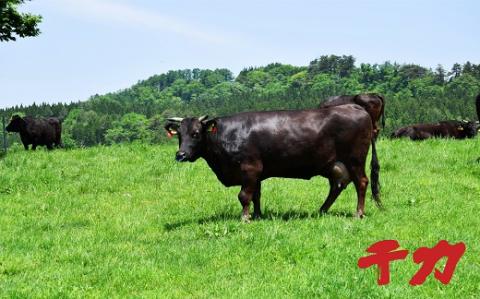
(181, 156)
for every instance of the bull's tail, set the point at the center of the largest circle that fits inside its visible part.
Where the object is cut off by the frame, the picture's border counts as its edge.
(374, 176)
(383, 110)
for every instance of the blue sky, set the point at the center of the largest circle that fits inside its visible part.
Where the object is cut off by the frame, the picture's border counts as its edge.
(98, 46)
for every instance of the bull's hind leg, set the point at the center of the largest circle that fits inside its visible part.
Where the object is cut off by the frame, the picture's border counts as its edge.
(339, 179)
(332, 196)
(360, 180)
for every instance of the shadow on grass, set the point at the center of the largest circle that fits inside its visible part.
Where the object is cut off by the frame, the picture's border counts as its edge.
(267, 216)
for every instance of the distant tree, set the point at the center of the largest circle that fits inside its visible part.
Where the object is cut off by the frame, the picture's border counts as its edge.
(456, 70)
(468, 68)
(471, 69)
(332, 64)
(87, 128)
(410, 72)
(14, 23)
(130, 127)
(439, 77)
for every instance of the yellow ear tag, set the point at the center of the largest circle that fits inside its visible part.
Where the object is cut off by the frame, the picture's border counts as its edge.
(460, 128)
(170, 133)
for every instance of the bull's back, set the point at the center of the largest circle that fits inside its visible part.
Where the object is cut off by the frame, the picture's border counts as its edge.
(337, 101)
(41, 131)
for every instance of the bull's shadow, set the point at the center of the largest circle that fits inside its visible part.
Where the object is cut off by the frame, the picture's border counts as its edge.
(267, 216)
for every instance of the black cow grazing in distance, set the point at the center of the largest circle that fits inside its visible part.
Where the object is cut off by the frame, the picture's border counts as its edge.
(443, 129)
(37, 131)
(249, 147)
(372, 102)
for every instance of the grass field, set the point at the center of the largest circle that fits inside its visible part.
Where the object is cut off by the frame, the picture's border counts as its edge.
(128, 221)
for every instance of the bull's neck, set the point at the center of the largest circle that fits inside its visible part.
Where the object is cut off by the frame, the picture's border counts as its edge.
(211, 151)
(24, 132)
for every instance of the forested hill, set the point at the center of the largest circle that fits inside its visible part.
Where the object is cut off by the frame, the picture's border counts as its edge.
(413, 94)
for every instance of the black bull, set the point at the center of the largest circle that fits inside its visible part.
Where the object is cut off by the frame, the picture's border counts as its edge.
(37, 131)
(246, 148)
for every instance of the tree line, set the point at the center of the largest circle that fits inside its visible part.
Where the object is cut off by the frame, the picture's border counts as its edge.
(413, 94)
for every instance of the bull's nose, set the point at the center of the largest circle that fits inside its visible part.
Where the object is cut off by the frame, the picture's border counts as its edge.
(181, 156)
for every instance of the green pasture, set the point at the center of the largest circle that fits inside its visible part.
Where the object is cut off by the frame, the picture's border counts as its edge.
(129, 221)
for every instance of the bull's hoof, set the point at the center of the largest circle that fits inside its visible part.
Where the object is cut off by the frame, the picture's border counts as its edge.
(246, 218)
(323, 211)
(257, 216)
(379, 205)
(360, 215)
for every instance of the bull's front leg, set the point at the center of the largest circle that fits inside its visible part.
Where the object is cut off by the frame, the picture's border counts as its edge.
(250, 189)
(245, 197)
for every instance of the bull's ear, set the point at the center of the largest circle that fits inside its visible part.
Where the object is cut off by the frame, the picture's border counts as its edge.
(171, 128)
(211, 126)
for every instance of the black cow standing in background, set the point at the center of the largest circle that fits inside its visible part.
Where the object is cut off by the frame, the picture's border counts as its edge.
(37, 131)
(443, 129)
(247, 148)
(373, 103)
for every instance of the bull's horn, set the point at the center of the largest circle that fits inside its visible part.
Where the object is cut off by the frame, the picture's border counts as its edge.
(176, 119)
(202, 118)
(465, 121)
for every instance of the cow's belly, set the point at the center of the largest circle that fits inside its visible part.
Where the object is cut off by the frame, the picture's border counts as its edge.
(227, 173)
(306, 166)
(292, 169)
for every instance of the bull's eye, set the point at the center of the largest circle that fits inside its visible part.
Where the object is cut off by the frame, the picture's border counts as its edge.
(196, 135)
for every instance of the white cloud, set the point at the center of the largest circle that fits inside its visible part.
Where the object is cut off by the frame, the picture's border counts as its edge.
(129, 15)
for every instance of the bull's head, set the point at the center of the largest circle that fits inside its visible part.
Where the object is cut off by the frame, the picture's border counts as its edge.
(191, 134)
(17, 124)
(469, 128)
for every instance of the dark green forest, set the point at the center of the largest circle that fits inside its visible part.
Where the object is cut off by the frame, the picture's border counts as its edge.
(413, 94)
